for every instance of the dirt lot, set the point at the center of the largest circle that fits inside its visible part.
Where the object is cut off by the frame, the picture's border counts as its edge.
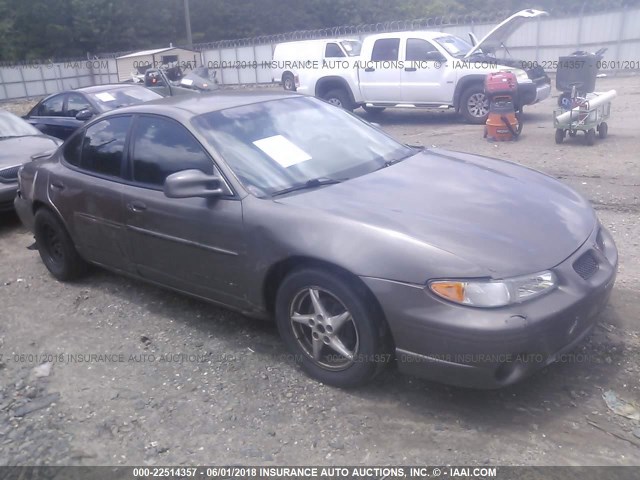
(199, 385)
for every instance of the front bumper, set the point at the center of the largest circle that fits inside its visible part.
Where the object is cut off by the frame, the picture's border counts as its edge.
(530, 93)
(492, 348)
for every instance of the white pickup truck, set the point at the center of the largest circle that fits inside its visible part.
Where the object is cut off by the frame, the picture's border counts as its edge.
(425, 69)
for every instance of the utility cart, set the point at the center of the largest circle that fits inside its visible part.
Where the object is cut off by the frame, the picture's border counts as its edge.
(589, 115)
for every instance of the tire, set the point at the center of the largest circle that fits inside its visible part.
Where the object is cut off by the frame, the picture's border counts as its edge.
(559, 135)
(603, 130)
(590, 136)
(288, 81)
(373, 110)
(362, 334)
(474, 105)
(56, 248)
(339, 98)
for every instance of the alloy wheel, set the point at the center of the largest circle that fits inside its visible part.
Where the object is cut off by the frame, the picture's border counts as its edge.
(324, 328)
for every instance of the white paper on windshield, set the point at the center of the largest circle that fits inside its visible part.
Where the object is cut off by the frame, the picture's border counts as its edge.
(282, 150)
(105, 97)
(186, 81)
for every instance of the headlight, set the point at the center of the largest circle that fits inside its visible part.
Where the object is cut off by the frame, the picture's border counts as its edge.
(494, 293)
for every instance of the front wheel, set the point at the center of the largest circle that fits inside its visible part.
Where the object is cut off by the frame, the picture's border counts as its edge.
(474, 105)
(56, 248)
(331, 326)
(559, 135)
(339, 98)
(590, 136)
(603, 130)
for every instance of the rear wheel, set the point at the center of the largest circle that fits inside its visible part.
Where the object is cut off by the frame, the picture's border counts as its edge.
(56, 248)
(339, 98)
(474, 104)
(288, 81)
(590, 136)
(329, 324)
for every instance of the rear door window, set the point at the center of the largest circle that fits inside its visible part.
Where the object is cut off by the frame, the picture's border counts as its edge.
(52, 107)
(385, 49)
(103, 146)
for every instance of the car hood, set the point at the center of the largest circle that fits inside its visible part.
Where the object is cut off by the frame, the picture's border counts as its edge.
(507, 219)
(499, 34)
(19, 150)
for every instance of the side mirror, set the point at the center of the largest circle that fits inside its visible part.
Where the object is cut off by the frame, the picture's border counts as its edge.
(193, 183)
(84, 115)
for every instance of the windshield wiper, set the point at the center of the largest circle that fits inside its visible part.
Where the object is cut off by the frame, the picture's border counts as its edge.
(313, 183)
(393, 161)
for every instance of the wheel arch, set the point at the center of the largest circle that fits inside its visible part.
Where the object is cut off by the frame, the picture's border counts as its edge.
(464, 83)
(278, 272)
(326, 84)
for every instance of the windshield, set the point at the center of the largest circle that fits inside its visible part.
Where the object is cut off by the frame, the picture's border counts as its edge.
(122, 97)
(454, 45)
(13, 126)
(352, 47)
(275, 145)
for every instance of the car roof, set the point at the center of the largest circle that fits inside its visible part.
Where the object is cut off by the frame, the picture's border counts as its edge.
(96, 89)
(424, 34)
(102, 88)
(197, 104)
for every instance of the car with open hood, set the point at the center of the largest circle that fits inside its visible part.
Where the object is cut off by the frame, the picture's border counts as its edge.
(426, 69)
(464, 269)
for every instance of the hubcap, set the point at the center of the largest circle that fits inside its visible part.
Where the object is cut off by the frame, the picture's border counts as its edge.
(335, 101)
(324, 328)
(478, 105)
(288, 83)
(53, 244)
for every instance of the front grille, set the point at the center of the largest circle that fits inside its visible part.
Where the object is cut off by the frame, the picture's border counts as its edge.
(586, 266)
(9, 174)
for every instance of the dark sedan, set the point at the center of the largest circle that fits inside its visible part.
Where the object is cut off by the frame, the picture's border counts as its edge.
(464, 269)
(63, 113)
(19, 144)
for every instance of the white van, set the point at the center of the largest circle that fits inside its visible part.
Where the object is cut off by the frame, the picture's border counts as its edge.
(290, 57)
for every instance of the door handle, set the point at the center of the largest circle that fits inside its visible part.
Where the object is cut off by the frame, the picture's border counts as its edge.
(57, 184)
(369, 69)
(137, 206)
(410, 69)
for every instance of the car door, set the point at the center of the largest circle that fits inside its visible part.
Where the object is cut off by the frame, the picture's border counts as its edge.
(87, 191)
(193, 244)
(425, 79)
(380, 78)
(48, 116)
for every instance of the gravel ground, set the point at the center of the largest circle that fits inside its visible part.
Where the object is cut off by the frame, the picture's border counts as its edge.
(176, 381)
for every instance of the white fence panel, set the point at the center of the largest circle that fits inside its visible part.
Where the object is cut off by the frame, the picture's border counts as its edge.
(543, 40)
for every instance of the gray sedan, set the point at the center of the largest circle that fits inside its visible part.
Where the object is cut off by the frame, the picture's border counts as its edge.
(463, 269)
